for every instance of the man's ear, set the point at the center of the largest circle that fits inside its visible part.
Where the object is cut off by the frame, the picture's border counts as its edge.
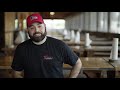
(45, 24)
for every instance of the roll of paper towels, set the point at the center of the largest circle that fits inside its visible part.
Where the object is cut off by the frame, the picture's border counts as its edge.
(114, 50)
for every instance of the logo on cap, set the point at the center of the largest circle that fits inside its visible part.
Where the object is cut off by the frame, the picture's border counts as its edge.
(33, 17)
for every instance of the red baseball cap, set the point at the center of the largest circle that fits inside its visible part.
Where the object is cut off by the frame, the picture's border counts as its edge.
(34, 18)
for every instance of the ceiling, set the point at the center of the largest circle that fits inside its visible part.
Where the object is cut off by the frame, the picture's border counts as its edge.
(57, 15)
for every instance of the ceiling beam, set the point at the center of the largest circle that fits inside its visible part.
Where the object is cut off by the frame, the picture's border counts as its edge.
(57, 15)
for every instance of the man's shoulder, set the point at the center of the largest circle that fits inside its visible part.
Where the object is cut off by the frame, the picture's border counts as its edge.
(27, 42)
(56, 42)
(54, 39)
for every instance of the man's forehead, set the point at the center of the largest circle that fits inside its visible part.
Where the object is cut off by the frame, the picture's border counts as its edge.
(36, 23)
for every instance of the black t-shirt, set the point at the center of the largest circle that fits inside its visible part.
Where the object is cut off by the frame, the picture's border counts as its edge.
(43, 61)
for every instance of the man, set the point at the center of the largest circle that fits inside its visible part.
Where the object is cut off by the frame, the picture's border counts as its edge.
(42, 56)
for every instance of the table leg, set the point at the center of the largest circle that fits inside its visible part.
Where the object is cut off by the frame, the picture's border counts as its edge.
(103, 74)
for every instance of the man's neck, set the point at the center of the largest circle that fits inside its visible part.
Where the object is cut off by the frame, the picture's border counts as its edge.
(41, 42)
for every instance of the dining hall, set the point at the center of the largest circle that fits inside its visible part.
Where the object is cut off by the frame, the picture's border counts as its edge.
(92, 36)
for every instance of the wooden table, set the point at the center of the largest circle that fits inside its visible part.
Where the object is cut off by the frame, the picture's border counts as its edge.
(116, 65)
(92, 63)
(5, 66)
(88, 63)
(8, 51)
(5, 62)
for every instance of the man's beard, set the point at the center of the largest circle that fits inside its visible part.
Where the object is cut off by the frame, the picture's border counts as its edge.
(37, 38)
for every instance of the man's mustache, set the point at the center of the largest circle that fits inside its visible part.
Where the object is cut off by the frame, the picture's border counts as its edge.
(37, 33)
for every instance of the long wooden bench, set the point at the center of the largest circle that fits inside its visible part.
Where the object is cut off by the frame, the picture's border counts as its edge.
(98, 50)
(94, 43)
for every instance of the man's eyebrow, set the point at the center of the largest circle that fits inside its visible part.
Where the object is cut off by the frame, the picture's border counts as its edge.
(39, 24)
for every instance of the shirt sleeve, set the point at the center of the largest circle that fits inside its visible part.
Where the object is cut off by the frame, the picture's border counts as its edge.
(17, 63)
(69, 56)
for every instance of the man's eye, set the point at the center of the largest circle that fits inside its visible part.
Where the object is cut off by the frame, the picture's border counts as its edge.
(31, 28)
(39, 26)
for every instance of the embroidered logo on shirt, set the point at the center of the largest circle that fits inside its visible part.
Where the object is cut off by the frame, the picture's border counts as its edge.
(46, 57)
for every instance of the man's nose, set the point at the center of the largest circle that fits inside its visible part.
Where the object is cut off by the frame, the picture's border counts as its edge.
(37, 30)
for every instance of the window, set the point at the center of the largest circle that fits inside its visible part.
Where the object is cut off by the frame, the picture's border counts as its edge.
(16, 23)
(55, 23)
